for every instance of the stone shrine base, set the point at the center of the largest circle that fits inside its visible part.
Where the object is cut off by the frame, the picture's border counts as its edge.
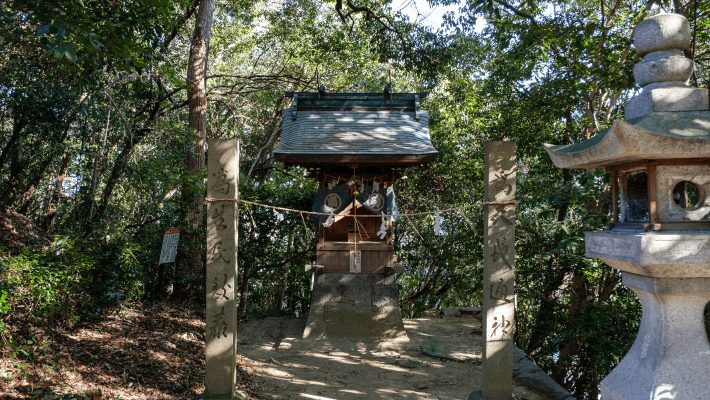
(355, 306)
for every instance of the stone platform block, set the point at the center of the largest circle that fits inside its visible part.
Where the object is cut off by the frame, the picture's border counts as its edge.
(347, 279)
(356, 295)
(354, 305)
(664, 254)
(315, 328)
(385, 296)
(391, 315)
(322, 295)
(385, 280)
(349, 320)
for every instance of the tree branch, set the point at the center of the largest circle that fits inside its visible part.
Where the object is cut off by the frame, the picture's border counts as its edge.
(382, 20)
(185, 17)
(276, 169)
(515, 10)
(150, 221)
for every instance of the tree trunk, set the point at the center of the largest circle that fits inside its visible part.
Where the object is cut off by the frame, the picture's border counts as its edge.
(572, 346)
(17, 126)
(244, 291)
(95, 172)
(11, 151)
(56, 195)
(284, 278)
(121, 161)
(192, 191)
(555, 279)
(25, 198)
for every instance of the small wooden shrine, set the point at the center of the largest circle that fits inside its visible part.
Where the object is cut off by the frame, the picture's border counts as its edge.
(356, 145)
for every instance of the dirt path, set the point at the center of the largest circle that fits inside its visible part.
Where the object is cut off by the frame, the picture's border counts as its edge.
(289, 367)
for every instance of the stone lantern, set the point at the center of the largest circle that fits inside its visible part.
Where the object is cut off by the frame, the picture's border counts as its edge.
(659, 158)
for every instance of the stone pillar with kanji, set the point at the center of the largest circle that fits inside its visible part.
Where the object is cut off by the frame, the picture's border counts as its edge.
(499, 270)
(221, 323)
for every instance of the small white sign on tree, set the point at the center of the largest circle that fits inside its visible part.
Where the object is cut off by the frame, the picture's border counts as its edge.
(170, 244)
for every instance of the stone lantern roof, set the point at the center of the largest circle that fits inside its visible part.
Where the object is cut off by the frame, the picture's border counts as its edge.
(655, 136)
(669, 120)
(355, 128)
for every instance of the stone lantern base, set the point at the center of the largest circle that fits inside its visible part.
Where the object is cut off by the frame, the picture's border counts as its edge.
(670, 358)
(668, 271)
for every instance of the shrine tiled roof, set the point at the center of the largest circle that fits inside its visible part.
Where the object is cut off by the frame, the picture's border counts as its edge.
(362, 133)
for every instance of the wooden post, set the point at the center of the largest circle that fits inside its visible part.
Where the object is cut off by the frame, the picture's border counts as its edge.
(499, 271)
(652, 194)
(222, 215)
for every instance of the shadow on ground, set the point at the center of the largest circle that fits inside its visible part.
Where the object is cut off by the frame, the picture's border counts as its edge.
(150, 352)
(289, 367)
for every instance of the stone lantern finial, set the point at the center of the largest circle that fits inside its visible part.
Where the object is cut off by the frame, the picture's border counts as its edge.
(661, 41)
(664, 71)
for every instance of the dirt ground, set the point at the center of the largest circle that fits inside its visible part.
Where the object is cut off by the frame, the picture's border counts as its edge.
(288, 367)
(147, 352)
(153, 352)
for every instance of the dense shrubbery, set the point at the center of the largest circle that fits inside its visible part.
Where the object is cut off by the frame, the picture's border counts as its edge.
(75, 280)
(67, 281)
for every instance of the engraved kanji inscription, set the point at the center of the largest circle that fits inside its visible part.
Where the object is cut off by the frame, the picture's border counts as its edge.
(219, 326)
(218, 252)
(499, 215)
(499, 291)
(220, 291)
(217, 213)
(221, 186)
(501, 184)
(502, 324)
(499, 250)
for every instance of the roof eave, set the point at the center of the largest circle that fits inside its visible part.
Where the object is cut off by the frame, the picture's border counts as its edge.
(626, 143)
(349, 158)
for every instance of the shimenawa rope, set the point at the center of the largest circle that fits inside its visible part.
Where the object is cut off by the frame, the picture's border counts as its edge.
(485, 203)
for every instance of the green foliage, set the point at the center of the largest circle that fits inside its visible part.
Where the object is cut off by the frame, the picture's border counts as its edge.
(272, 254)
(91, 34)
(43, 286)
(69, 280)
